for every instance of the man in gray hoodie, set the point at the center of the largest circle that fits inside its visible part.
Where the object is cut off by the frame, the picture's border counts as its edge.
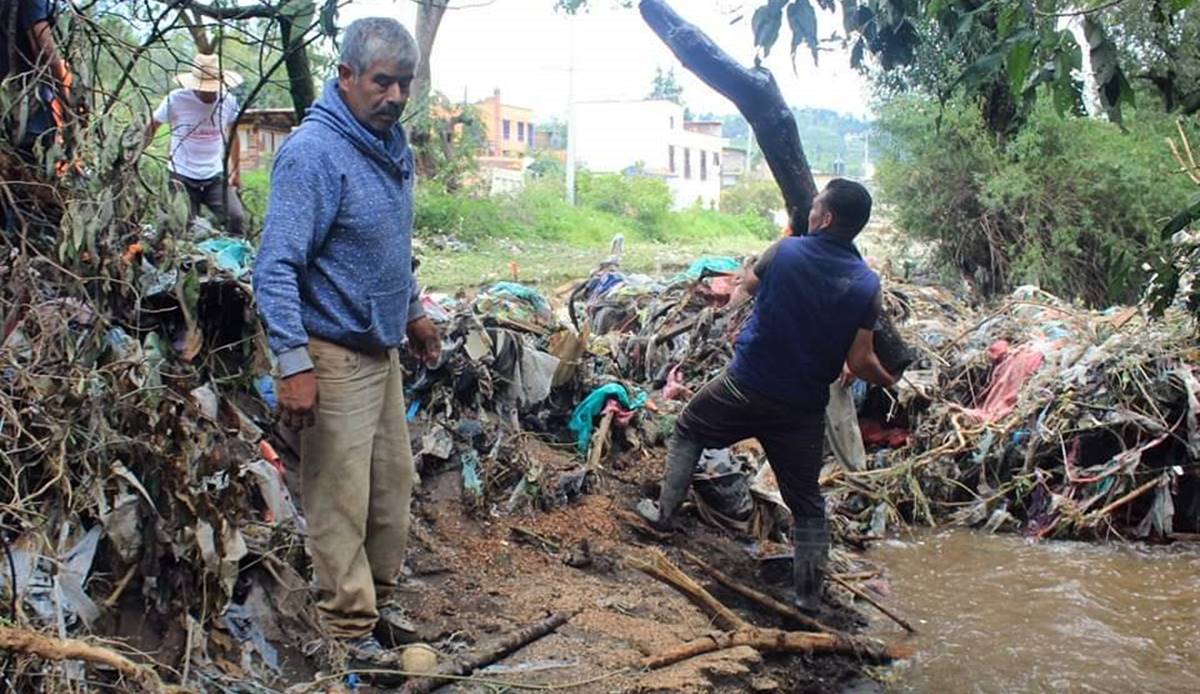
(335, 287)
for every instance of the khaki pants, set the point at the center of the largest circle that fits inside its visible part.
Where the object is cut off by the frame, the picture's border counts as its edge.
(357, 478)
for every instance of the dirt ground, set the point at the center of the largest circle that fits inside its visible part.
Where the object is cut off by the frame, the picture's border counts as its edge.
(476, 577)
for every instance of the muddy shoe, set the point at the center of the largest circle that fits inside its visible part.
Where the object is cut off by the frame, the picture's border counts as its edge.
(366, 650)
(647, 509)
(394, 628)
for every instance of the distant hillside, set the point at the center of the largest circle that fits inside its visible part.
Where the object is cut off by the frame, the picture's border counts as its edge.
(823, 132)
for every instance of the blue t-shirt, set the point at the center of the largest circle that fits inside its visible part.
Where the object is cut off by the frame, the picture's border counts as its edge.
(20, 56)
(813, 297)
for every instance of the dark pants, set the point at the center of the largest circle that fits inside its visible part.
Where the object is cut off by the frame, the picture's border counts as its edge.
(215, 194)
(723, 413)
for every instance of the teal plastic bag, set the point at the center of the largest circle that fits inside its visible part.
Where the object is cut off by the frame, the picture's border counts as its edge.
(720, 264)
(232, 255)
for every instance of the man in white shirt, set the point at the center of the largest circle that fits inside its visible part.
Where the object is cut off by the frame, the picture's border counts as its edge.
(202, 116)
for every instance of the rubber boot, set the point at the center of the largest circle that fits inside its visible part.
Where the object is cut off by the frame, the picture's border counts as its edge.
(682, 455)
(810, 547)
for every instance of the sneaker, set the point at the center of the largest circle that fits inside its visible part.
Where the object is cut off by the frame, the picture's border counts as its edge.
(368, 650)
(394, 627)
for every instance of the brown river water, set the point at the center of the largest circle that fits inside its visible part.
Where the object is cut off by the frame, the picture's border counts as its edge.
(996, 613)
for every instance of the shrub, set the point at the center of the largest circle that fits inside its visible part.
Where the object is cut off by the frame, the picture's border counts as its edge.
(643, 199)
(760, 198)
(1070, 204)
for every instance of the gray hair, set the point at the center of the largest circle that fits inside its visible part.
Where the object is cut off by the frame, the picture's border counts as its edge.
(371, 39)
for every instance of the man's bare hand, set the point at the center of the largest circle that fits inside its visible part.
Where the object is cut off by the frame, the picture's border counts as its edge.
(424, 340)
(847, 378)
(298, 400)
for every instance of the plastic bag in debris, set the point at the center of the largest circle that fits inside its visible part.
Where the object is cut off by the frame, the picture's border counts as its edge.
(45, 589)
(583, 419)
(221, 562)
(234, 256)
(1160, 519)
(472, 482)
(249, 622)
(516, 303)
(280, 506)
(437, 442)
(710, 265)
(841, 429)
(533, 375)
(723, 486)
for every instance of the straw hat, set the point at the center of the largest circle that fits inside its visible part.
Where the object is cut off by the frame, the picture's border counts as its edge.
(207, 76)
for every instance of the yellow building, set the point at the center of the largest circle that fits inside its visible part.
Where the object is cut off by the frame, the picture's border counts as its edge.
(509, 128)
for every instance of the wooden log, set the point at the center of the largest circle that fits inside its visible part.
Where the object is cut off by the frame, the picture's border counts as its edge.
(502, 649)
(873, 603)
(758, 597)
(46, 647)
(757, 96)
(776, 641)
(656, 565)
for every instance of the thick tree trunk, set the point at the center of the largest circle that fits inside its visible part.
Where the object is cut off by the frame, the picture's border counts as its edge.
(429, 20)
(756, 95)
(299, 69)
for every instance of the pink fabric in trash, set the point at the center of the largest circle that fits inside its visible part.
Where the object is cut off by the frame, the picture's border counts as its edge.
(621, 416)
(675, 389)
(1008, 378)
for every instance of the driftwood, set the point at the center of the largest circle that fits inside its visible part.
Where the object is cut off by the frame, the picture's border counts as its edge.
(776, 641)
(874, 603)
(658, 566)
(138, 677)
(762, 599)
(756, 95)
(514, 642)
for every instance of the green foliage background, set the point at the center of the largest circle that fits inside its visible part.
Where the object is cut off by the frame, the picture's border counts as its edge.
(1070, 204)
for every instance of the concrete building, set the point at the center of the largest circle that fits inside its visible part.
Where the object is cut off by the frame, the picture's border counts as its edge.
(616, 136)
(734, 166)
(262, 132)
(509, 128)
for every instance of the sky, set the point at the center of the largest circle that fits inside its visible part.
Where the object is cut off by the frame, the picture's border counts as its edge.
(523, 47)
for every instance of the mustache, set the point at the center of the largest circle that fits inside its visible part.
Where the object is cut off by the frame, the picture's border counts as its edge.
(390, 110)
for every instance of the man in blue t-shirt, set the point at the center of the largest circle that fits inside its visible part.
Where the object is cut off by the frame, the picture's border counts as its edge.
(32, 62)
(816, 304)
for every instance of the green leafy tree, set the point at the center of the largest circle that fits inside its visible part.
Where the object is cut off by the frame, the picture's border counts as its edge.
(666, 87)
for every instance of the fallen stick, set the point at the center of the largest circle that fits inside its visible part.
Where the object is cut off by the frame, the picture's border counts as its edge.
(593, 461)
(112, 599)
(658, 566)
(873, 603)
(760, 598)
(1125, 499)
(775, 641)
(501, 649)
(56, 649)
(858, 575)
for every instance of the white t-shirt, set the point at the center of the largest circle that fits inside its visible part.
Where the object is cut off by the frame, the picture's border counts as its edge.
(197, 131)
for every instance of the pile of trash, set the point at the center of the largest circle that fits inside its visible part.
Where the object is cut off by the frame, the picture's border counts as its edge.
(1032, 415)
(136, 460)
(143, 468)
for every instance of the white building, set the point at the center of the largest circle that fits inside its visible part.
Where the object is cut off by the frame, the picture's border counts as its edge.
(614, 136)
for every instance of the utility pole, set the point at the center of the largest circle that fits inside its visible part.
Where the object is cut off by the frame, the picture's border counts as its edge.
(571, 122)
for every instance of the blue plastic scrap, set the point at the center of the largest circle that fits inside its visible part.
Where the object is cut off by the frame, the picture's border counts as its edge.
(716, 264)
(583, 419)
(521, 292)
(232, 255)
